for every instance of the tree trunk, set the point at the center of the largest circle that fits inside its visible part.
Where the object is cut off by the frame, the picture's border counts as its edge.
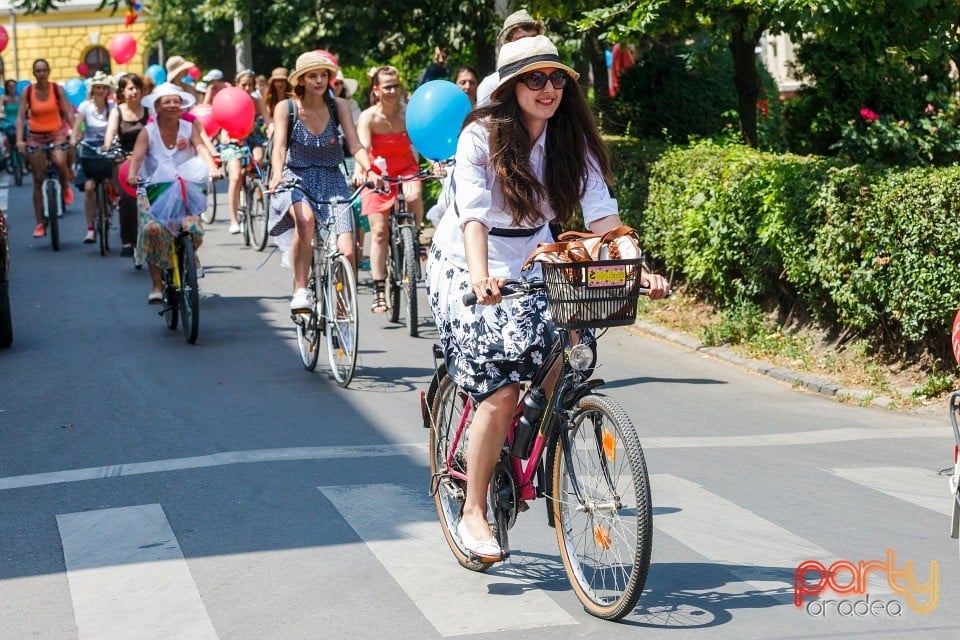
(746, 80)
(593, 52)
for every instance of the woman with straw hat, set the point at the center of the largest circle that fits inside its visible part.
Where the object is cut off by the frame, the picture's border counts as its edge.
(309, 153)
(532, 156)
(94, 114)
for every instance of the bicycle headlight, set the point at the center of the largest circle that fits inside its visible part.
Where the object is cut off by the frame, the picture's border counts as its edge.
(580, 357)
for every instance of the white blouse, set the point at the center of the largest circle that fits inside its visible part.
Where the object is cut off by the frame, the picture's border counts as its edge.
(478, 198)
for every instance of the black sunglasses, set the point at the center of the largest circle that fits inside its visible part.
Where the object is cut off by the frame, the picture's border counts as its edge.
(536, 80)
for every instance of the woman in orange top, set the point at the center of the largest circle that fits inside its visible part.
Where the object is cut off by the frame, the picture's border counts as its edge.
(45, 107)
(382, 130)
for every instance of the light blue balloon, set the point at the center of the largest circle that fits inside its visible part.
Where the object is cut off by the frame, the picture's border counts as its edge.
(187, 79)
(76, 91)
(21, 85)
(434, 116)
(157, 73)
(608, 54)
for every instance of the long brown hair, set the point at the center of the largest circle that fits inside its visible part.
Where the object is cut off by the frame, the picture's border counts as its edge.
(572, 139)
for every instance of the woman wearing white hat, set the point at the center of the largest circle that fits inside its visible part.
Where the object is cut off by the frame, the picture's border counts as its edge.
(93, 113)
(532, 156)
(170, 155)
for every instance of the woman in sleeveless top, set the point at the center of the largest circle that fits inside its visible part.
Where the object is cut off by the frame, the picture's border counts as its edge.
(93, 114)
(311, 153)
(382, 128)
(46, 108)
(171, 157)
(125, 124)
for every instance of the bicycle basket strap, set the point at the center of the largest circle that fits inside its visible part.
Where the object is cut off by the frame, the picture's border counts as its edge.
(570, 251)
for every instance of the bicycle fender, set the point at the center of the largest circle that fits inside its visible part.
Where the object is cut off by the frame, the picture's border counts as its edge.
(580, 390)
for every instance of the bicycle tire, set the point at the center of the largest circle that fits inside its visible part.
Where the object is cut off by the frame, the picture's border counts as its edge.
(607, 591)
(308, 329)
(449, 493)
(259, 215)
(343, 322)
(189, 291)
(393, 278)
(16, 161)
(6, 320)
(171, 301)
(102, 230)
(408, 279)
(210, 213)
(52, 198)
(243, 213)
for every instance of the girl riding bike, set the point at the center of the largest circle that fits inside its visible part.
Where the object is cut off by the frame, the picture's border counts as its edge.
(532, 156)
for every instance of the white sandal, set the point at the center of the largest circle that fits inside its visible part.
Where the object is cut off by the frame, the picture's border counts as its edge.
(485, 550)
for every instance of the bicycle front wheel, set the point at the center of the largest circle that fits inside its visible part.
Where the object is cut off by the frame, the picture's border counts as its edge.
(605, 541)
(52, 203)
(308, 330)
(103, 213)
(343, 320)
(189, 292)
(16, 165)
(408, 278)
(393, 276)
(258, 216)
(210, 214)
(171, 301)
(243, 213)
(448, 492)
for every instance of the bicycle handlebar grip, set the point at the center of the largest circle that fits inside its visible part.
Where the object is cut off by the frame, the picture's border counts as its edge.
(469, 299)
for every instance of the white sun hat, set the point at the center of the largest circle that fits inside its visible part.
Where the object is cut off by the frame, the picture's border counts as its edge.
(168, 89)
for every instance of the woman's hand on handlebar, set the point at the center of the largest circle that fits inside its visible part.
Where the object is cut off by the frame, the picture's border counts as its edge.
(487, 289)
(658, 286)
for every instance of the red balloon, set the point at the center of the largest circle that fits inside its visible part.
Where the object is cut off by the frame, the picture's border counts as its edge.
(122, 178)
(234, 110)
(4, 38)
(82, 69)
(123, 47)
(204, 113)
(194, 72)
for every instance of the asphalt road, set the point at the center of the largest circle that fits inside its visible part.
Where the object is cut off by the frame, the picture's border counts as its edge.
(154, 489)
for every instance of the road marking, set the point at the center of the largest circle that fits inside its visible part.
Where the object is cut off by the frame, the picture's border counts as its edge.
(128, 578)
(418, 450)
(920, 487)
(761, 553)
(399, 526)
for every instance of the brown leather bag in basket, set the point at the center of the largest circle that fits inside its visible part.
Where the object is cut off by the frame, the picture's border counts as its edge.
(621, 243)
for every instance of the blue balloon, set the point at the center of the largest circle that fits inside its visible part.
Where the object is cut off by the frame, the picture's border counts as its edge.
(187, 79)
(608, 54)
(76, 91)
(21, 85)
(434, 116)
(157, 73)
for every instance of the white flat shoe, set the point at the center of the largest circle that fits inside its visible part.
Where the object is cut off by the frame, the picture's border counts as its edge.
(485, 550)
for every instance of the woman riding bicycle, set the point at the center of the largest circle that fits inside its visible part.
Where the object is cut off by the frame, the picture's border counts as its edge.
(309, 154)
(168, 155)
(125, 123)
(532, 156)
(93, 113)
(231, 155)
(44, 106)
(11, 105)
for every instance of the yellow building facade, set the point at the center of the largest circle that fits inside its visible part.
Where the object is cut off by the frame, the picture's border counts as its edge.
(75, 33)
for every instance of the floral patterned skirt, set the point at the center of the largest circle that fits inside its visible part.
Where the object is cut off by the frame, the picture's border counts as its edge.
(156, 239)
(486, 346)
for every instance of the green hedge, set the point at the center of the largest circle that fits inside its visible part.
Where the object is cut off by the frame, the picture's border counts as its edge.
(861, 247)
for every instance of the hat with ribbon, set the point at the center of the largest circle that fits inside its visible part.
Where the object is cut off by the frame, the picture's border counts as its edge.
(177, 65)
(312, 61)
(168, 89)
(349, 84)
(528, 54)
(101, 78)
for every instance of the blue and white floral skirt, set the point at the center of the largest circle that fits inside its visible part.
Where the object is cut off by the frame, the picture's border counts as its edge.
(486, 346)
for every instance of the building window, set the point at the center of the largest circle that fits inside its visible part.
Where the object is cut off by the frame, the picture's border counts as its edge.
(97, 58)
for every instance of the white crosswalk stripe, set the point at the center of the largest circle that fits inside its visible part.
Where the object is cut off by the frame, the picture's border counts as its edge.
(920, 487)
(128, 577)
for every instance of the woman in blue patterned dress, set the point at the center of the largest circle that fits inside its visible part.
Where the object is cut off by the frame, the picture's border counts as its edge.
(311, 153)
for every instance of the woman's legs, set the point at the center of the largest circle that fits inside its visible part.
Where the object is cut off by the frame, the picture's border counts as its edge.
(234, 169)
(63, 172)
(90, 201)
(379, 230)
(412, 194)
(128, 219)
(491, 420)
(301, 253)
(38, 164)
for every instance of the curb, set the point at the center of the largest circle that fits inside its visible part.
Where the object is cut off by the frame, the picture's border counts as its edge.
(811, 382)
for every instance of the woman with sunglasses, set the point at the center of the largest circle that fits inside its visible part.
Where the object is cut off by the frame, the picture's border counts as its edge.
(531, 156)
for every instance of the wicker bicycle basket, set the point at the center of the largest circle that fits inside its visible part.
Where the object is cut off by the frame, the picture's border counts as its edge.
(586, 295)
(96, 166)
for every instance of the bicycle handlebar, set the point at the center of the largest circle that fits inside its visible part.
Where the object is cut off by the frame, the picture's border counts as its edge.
(290, 185)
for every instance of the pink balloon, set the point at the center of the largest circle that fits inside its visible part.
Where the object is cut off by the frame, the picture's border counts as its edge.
(123, 47)
(233, 108)
(122, 173)
(204, 113)
(4, 38)
(194, 72)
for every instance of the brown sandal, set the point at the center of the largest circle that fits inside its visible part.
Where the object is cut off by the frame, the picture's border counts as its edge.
(379, 297)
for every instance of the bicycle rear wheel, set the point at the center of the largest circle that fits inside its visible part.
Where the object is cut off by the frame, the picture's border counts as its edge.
(189, 292)
(16, 167)
(604, 543)
(448, 492)
(258, 215)
(343, 322)
(308, 330)
(408, 278)
(102, 225)
(52, 204)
